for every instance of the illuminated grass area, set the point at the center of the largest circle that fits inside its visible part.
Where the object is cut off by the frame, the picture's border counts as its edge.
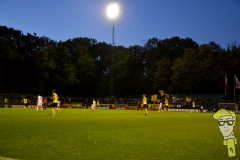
(111, 134)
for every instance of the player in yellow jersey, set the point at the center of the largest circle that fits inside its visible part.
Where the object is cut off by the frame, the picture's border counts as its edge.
(6, 103)
(145, 106)
(55, 102)
(193, 107)
(25, 101)
(166, 107)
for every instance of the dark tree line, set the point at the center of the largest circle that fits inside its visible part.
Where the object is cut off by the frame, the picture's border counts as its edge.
(81, 66)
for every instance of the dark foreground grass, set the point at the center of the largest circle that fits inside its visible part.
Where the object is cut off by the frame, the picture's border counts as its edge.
(111, 135)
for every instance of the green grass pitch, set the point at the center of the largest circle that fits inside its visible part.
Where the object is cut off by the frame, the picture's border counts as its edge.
(83, 134)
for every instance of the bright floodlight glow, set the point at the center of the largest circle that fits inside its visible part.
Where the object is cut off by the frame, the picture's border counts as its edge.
(112, 10)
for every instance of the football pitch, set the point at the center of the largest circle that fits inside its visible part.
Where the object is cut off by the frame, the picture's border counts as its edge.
(83, 134)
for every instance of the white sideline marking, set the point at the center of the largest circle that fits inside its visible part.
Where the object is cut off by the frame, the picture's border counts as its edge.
(5, 158)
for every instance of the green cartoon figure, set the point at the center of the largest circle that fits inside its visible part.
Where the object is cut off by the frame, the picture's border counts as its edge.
(226, 122)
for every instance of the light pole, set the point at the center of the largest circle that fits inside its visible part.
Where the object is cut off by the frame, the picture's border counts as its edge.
(112, 12)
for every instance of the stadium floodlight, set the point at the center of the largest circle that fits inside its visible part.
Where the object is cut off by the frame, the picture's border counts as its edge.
(112, 11)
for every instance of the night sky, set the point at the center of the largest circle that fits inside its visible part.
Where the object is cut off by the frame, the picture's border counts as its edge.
(138, 20)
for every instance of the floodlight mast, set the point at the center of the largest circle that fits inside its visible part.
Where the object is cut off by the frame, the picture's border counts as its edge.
(111, 72)
(113, 43)
(112, 12)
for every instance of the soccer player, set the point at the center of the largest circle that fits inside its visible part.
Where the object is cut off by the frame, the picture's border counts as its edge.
(39, 102)
(44, 103)
(58, 104)
(55, 102)
(94, 105)
(193, 106)
(6, 103)
(166, 108)
(145, 106)
(25, 101)
(160, 107)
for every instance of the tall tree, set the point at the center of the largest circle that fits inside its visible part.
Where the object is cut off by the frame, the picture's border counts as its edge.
(185, 73)
(162, 75)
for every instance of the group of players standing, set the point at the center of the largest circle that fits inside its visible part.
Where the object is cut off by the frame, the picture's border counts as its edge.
(160, 108)
(164, 108)
(42, 103)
